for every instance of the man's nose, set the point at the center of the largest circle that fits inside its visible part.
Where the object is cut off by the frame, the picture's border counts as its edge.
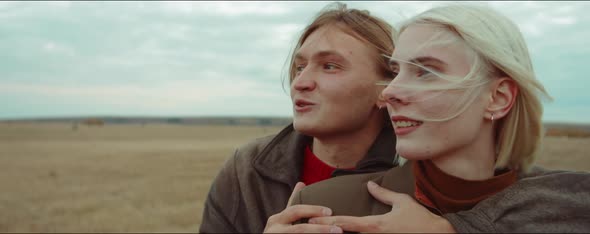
(305, 81)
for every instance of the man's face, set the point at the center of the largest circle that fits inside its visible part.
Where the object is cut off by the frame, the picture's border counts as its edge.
(334, 89)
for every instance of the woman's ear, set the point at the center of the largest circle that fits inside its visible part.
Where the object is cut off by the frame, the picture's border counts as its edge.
(503, 96)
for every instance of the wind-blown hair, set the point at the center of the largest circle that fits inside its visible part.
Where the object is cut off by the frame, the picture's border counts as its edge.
(497, 49)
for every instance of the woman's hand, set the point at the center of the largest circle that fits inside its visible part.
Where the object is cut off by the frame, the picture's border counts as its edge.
(282, 222)
(406, 215)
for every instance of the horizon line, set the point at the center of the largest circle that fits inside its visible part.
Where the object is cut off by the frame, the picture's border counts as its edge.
(31, 118)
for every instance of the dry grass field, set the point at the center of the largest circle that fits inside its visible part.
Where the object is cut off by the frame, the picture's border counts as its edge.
(133, 178)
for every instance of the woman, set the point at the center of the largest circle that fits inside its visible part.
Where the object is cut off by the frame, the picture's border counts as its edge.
(466, 110)
(337, 125)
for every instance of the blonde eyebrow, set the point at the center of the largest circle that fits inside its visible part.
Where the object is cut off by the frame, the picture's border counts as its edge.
(422, 60)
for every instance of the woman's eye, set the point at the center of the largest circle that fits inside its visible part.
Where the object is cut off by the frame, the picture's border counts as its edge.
(384, 82)
(394, 71)
(424, 73)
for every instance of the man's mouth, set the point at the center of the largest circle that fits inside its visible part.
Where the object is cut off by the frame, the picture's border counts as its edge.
(302, 103)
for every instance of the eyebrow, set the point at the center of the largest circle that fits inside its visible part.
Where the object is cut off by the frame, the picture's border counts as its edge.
(421, 60)
(324, 54)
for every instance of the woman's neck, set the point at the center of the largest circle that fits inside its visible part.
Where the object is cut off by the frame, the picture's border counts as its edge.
(475, 161)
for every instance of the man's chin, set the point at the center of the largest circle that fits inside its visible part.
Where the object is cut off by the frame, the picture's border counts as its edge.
(304, 127)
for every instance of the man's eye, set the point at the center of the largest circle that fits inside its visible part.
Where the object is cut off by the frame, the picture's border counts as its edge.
(330, 66)
(299, 68)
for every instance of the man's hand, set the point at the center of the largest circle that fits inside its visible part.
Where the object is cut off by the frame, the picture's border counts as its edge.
(282, 222)
(406, 215)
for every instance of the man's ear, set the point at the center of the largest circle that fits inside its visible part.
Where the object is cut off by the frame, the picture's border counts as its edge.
(381, 103)
(502, 97)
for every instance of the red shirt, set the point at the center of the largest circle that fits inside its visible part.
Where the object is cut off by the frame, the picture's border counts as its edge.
(449, 194)
(314, 169)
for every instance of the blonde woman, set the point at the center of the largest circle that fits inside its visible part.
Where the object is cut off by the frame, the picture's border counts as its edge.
(466, 109)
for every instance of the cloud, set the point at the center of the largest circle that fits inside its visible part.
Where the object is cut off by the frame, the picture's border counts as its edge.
(219, 57)
(225, 8)
(56, 48)
(174, 96)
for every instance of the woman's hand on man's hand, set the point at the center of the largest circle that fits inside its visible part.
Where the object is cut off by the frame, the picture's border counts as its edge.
(406, 215)
(282, 222)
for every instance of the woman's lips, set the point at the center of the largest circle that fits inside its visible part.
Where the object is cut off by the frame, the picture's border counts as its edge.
(403, 125)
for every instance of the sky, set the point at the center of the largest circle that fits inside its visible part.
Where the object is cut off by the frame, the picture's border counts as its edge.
(110, 58)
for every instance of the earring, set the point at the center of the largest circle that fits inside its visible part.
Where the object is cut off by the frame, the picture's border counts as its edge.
(492, 117)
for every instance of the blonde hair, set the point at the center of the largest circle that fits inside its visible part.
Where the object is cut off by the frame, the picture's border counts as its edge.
(500, 50)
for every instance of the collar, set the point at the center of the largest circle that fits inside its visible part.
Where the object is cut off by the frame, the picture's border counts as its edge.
(380, 157)
(451, 194)
(282, 159)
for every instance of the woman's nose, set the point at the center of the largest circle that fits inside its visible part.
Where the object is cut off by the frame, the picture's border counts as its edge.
(393, 94)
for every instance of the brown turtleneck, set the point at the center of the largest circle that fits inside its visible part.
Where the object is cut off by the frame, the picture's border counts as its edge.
(450, 194)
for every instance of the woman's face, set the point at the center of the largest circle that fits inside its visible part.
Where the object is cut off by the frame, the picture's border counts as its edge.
(422, 117)
(334, 90)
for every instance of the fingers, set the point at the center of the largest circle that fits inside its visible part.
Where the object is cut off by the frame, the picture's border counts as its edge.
(384, 195)
(350, 223)
(298, 187)
(281, 222)
(313, 228)
(297, 212)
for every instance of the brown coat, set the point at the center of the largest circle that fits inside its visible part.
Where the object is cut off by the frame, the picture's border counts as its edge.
(540, 201)
(258, 179)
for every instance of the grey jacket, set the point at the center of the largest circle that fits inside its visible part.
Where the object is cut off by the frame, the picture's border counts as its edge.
(258, 179)
(540, 201)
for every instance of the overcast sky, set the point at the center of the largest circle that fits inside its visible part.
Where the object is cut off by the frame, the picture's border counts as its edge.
(222, 58)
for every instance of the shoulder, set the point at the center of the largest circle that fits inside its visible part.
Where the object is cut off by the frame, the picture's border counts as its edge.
(344, 183)
(541, 200)
(249, 150)
(236, 189)
(241, 160)
(243, 166)
(542, 182)
(550, 186)
(345, 195)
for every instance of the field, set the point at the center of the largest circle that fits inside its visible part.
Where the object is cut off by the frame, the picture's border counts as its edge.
(134, 178)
